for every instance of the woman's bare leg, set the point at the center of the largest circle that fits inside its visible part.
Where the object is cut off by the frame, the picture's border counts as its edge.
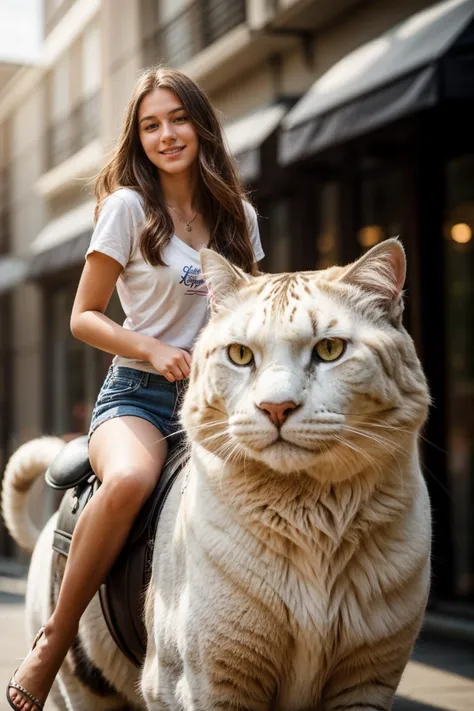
(127, 454)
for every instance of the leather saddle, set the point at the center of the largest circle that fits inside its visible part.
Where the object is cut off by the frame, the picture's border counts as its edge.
(122, 595)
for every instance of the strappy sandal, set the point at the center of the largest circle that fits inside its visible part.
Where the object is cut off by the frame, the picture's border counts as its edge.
(12, 684)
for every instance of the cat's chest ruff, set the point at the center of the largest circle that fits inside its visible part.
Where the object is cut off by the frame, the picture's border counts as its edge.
(307, 599)
(318, 549)
(312, 596)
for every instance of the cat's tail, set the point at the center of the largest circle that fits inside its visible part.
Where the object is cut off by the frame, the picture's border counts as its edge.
(25, 465)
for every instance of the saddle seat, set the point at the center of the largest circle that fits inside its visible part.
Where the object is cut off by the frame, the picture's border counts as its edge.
(122, 595)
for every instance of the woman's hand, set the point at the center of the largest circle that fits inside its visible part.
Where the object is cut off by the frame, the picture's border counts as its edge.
(174, 363)
(90, 324)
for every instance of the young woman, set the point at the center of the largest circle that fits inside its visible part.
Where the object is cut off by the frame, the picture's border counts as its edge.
(169, 190)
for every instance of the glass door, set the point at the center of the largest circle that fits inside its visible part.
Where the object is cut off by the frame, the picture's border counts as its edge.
(328, 225)
(459, 279)
(381, 211)
(276, 233)
(77, 370)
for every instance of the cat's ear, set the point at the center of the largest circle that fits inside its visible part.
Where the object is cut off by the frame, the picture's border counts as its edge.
(222, 277)
(382, 269)
(381, 272)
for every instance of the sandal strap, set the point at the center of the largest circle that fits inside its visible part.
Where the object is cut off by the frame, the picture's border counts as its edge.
(14, 685)
(39, 634)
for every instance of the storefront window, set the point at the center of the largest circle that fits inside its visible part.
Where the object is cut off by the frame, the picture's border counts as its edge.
(67, 368)
(381, 207)
(276, 236)
(328, 219)
(459, 251)
(77, 370)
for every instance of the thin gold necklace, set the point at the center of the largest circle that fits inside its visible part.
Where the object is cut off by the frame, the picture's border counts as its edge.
(187, 223)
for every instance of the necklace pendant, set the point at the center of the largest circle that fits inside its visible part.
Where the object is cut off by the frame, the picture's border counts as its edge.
(188, 227)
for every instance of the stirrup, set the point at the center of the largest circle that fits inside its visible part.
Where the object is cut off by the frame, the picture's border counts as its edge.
(12, 684)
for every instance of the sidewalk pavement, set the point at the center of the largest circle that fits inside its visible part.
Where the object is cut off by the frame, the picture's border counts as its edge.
(439, 677)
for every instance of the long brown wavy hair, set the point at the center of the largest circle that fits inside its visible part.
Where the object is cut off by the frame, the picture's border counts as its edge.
(220, 190)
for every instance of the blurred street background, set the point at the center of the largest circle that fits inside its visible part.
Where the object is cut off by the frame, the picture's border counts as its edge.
(351, 121)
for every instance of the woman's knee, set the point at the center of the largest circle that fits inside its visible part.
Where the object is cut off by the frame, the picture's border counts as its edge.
(128, 488)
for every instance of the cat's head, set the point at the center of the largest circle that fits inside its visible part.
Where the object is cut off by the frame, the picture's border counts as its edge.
(308, 371)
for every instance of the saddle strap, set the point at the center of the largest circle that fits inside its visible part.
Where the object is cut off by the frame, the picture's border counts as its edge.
(72, 504)
(122, 596)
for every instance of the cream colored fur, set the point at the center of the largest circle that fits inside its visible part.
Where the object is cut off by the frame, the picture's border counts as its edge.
(23, 468)
(291, 569)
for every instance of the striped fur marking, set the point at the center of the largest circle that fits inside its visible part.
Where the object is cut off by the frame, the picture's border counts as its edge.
(88, 674)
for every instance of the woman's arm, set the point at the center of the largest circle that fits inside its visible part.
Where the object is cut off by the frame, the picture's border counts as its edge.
(88, 320)
(90, 324)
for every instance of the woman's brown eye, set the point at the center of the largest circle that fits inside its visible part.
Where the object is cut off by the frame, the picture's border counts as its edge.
(330, 349)
(239, 354)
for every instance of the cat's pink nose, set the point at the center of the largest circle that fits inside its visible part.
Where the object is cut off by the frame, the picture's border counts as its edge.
(278, 411)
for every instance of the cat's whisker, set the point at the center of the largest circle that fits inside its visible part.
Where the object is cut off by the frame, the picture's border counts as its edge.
(195, 428)
(432, 444)
(216, 436)
(357, 450)
(234, 448)
(378, 464)
(212, 437)
(420, 436)
(376, 423)
(216, 424)
(340, 455)
(186, 430)
(333, 454)
(377, 439)
(382, 441)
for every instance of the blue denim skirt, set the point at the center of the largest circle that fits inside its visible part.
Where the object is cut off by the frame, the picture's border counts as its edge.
(128, 391)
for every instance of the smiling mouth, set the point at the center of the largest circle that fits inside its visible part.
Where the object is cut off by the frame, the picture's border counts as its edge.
(172, 151)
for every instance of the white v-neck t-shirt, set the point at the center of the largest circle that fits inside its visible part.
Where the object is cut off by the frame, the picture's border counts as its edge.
(165, 302)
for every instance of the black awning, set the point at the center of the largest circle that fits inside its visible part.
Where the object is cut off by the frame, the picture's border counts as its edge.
(246, 136)
(427, 59)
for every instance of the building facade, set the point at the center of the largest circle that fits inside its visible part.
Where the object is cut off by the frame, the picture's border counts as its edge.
(328, 184)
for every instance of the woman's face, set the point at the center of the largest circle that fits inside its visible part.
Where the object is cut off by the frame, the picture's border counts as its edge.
(167, 134)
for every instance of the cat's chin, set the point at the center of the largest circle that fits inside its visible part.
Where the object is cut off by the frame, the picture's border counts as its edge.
(287, 458)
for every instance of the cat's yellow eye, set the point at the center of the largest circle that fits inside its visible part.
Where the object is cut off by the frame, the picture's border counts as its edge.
(239, 354)
(330, 349)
